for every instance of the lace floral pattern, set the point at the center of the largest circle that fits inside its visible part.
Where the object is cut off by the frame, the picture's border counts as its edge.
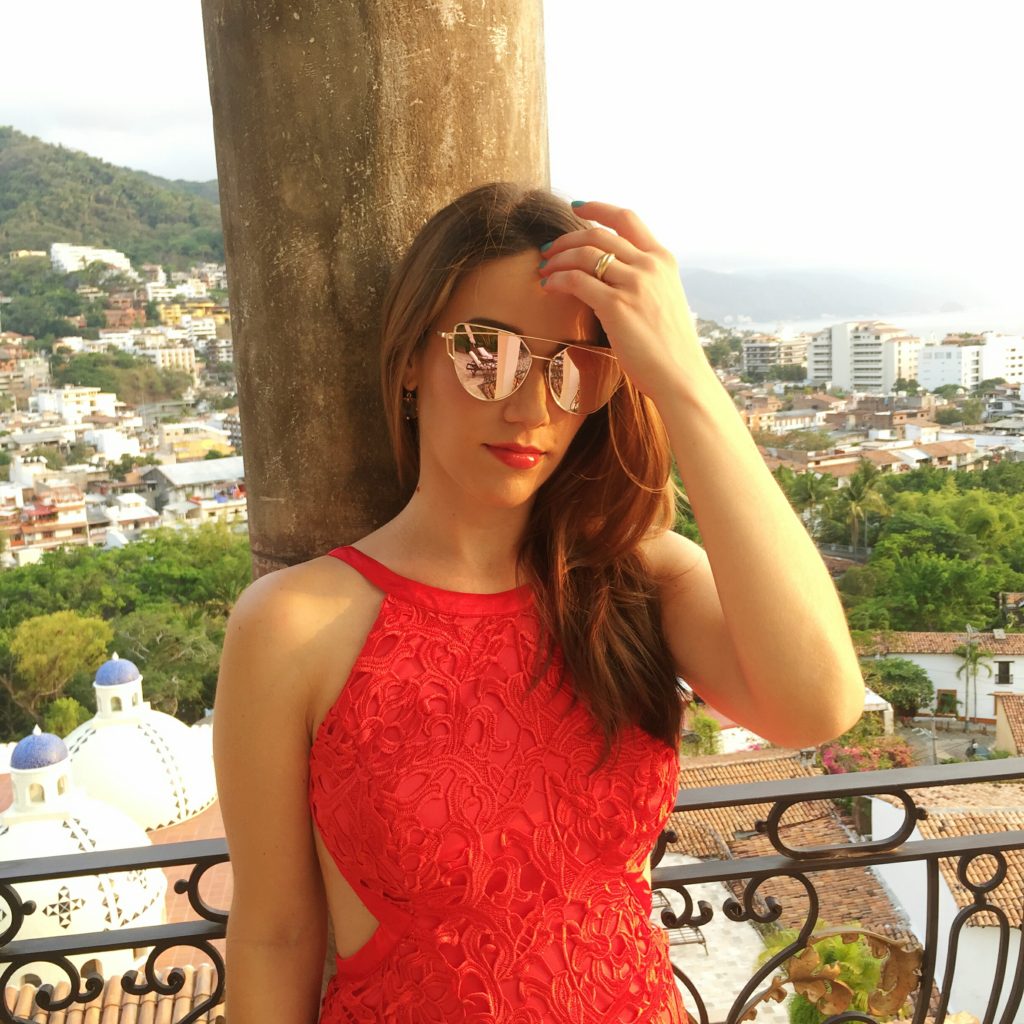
(463, 808)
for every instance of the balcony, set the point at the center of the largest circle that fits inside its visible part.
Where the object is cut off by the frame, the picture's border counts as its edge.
(968, 881)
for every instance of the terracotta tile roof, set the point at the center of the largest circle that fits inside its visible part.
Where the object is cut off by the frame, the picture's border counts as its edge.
(947, 447)
(837, 566)
(938, 643)
(1012, 705)
(1009, 894)
(216, 886)
(702, 832)
(851, 894)
(880, 456)
(845, 895)
(115, 1006)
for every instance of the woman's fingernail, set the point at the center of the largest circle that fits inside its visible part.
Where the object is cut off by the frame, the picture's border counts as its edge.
(543, 281)
(579, 202)
(546, 246)
(543, 263)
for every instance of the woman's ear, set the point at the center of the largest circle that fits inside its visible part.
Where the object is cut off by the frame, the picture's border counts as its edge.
(411, 375)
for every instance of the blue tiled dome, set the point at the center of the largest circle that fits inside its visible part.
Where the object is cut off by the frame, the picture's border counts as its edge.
(37, 751)
(117, 671)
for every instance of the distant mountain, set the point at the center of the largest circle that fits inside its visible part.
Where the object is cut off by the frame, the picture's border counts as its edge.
(53, 194)
(802, 295)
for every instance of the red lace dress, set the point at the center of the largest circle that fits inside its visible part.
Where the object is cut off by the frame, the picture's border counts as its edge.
(461, 807)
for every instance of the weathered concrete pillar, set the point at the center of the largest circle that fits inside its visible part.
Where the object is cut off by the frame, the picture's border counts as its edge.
(339, 126)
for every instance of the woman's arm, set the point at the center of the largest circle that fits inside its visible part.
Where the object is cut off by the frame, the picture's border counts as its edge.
(277, 926)
(754, 621)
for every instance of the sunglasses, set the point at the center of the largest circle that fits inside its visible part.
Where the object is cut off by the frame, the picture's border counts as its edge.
(492, 364)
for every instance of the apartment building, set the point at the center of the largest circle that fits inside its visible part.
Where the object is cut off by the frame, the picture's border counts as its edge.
(867, 356)
(73, 404)
(67, 258)
(764, 351)
(967, 360)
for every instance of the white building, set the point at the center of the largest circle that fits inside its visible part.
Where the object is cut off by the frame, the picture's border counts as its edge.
(959, 811)
(51, 816)
(170, 357)
(228, 507)
(762, 352)
(936, 654)
(67, 258)
(785, 420)
(112, 443)
(219, 350)
(74, 404)
(168, 781)
(199, 328)
(867, 356)
(192, 288)
(966, 362)
(123, 341)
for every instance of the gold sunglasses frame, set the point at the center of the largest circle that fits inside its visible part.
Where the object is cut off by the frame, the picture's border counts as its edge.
(449, 338)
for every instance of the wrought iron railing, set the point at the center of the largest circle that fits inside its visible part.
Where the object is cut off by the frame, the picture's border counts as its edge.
(908, 970)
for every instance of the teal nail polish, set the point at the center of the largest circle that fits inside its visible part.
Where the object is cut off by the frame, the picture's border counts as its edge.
(579, 202)
(543, 281)
(543, 263)
(546, 246)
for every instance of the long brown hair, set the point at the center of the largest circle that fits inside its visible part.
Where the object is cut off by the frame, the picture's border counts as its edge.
(580, 552)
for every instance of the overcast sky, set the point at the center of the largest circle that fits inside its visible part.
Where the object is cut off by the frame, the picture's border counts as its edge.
(872, 135)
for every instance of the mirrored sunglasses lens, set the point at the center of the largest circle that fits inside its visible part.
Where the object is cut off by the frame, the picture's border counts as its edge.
(582, 381)
(489, 363)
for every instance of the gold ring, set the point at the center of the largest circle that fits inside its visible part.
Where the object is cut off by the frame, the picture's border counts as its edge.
(602, 265)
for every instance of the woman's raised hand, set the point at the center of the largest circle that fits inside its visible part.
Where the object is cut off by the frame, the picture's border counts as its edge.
(639, 300)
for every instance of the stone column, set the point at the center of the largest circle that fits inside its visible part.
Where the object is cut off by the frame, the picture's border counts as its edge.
(339, 127)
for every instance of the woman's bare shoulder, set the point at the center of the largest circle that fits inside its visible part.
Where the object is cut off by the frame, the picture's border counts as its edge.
(293, 625)
(297, 601)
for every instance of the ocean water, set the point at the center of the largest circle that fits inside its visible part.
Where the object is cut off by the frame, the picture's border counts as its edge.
(926, 326)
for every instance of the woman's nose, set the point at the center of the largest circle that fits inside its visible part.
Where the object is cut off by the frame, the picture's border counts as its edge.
(528, 404)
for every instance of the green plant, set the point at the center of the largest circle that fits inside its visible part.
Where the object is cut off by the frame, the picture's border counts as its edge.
(64, 715)
(904, 684)
(707, 730)
(831, 975)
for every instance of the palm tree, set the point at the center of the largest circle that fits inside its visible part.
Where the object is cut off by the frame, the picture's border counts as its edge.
(808, 491)
(861, 496)
(974, 658)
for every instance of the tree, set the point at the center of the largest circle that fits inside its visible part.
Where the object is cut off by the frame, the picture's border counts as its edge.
(64, 715)
(903, 683)
(973, 659)
(174, 649)
(809, 491)
(861, 496)
(920, 590)
(49, 651)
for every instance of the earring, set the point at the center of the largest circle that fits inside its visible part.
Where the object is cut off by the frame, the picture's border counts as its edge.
(409, 404)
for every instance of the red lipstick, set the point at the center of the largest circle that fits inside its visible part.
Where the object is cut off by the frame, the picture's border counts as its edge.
(517, 456)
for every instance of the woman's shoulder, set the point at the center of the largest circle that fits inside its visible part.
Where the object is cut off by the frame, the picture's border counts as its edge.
(294, 606)
(669, 554)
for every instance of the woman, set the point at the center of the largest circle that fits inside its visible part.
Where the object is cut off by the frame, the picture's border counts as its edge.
(459, 736)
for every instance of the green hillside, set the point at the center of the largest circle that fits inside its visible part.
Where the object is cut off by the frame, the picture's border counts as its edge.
(52, 194)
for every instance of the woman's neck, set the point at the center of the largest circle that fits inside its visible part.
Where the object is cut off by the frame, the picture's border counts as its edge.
(476, 546)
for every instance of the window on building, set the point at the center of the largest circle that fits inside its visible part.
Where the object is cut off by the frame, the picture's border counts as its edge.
(945, 702)
(1003, 676)
(115, 703)
(35, 793)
